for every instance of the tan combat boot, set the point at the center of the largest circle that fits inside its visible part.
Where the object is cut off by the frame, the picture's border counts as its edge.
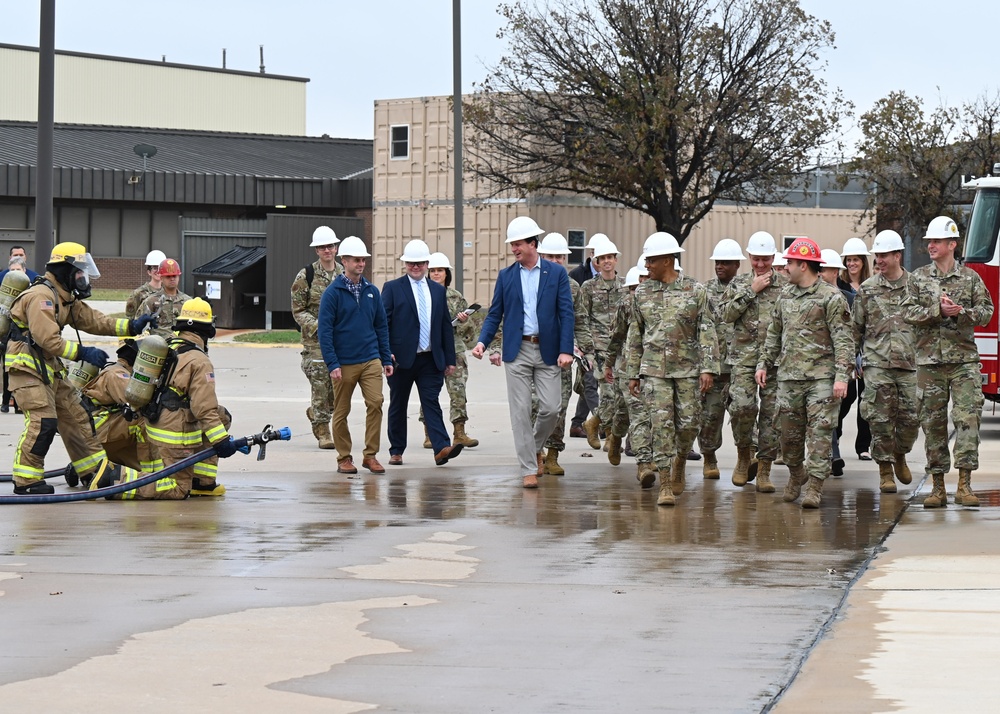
(323, 436)
(796, 477)
(646, 474)
(764, 484)
(964, 495)
(814, 492)
(427, 439)
(677, 474)
(666, 497)
(710, 468)
(740, 473)
(551, 463)
(886, 483)
(593, 428)
(614, 444)
(462, 438)
(938, 497)
(903, 474)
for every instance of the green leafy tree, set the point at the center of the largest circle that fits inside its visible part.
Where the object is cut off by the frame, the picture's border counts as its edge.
(664, 106)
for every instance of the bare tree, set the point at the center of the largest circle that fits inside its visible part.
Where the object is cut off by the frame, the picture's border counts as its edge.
(664, 106)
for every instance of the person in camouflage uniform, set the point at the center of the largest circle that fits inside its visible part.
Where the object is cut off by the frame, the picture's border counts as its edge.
(439, 270)
(139, 295)
(307, 291)
(595, 309)
(889, 401)
(748, 305)
(672, 348)
(616, 367)
(165, 304)
(811, 343)
(945, 303)
(727, 257)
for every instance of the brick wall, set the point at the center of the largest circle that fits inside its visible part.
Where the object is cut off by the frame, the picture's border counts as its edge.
(121, 273)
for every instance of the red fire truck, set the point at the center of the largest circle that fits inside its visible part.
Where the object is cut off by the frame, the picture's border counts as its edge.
(982, 254)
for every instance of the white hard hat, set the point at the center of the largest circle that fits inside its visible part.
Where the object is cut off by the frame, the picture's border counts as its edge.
(354, 247)
(596, 240)
(831, 259)
(761, 243)
(416, 251)
(661, 244)
(605, 248)
(632, 277)
(727, 249)
(154, 258)
(324, 235)
(554, 244)
(887, 242)
(942, 227)
(854, 246)
(439, 260)
(522, 228)
(779, 259)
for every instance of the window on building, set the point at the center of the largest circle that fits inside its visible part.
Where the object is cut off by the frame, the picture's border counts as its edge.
(399, 141)
(577, 239)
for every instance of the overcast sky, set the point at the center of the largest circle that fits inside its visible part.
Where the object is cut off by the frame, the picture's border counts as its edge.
(355, 52)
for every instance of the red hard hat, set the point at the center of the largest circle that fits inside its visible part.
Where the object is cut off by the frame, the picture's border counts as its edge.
(169, 267)
(804, 249)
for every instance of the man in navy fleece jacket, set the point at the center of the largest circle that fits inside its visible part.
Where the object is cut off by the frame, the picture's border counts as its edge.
(354, 339)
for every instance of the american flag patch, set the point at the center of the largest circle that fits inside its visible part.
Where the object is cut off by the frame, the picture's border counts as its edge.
(46, 304)
(210, 377)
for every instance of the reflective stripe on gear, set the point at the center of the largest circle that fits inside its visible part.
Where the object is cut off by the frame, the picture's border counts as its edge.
(27, 362)
(89, 463)
(216, 434)
(207, 470)
(174, 438)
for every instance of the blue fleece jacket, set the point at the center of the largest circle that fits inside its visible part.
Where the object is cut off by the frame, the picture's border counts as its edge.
(352, 331)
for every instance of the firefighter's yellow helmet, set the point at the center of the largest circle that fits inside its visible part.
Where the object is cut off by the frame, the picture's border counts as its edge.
(195, 310)
(76, 255)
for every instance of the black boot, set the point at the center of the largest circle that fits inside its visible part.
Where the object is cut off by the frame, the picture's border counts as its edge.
(37, 488)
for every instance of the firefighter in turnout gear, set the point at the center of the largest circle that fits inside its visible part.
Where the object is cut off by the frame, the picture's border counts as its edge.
(190, 418)
(35, 350)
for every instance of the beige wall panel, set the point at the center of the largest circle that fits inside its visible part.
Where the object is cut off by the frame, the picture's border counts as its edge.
(92, 90)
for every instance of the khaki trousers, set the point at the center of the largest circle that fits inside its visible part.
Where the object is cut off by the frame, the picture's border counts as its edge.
(369, 376)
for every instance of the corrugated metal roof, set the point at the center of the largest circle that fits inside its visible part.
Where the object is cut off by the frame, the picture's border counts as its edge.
(98, 147)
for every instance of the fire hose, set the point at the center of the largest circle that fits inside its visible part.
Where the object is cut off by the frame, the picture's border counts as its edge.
(243, 444)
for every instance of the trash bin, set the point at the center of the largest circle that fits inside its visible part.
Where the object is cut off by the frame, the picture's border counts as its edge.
(233, 284)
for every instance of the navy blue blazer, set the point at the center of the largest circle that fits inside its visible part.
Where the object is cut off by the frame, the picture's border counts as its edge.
(404, 323)
(554, 310)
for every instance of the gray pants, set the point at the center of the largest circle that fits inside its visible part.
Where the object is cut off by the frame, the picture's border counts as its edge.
(527, 369)
(588, 401)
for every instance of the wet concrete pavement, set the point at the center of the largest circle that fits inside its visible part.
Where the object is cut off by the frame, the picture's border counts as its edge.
(429, 589)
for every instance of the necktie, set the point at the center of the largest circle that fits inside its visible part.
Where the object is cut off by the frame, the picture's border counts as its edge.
(425, 318)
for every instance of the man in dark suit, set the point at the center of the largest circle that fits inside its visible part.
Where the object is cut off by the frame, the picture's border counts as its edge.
(422, 343)
(533, 299)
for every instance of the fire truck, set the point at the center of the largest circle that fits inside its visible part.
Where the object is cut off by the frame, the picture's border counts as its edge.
(982, 254)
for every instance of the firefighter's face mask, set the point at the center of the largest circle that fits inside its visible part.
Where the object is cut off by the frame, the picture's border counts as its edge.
(81, 284)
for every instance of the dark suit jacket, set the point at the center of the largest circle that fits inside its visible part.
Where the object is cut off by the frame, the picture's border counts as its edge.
(404, 323)
(554, 310)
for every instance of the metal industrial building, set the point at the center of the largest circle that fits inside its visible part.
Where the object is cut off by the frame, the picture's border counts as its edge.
(232, 167)
(414, 198)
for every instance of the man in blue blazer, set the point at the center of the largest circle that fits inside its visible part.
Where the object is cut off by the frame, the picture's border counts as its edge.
(422, 343)
(533, 299)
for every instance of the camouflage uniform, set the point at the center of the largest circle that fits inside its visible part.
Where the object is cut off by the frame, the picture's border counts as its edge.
(137, 298)
(469, 330)
(639, 430)
(811, 343)
(750, 314)
(595, 309)
(948, 361)
(557, 440)
(305, 309)
(671, 342)
(714, 403)
(889, 402)
(168, 306)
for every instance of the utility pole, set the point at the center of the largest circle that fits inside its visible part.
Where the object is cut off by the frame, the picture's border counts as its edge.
(456, 34)
(46, 112)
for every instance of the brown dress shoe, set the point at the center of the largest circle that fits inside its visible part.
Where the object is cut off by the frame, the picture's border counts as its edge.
(346, 466)
(531, 481)
(447, 453)
(577, 432)
(372, 464)
(395, 459)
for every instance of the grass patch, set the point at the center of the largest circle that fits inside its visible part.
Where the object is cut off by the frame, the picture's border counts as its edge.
(110, 294)
(272, 337)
